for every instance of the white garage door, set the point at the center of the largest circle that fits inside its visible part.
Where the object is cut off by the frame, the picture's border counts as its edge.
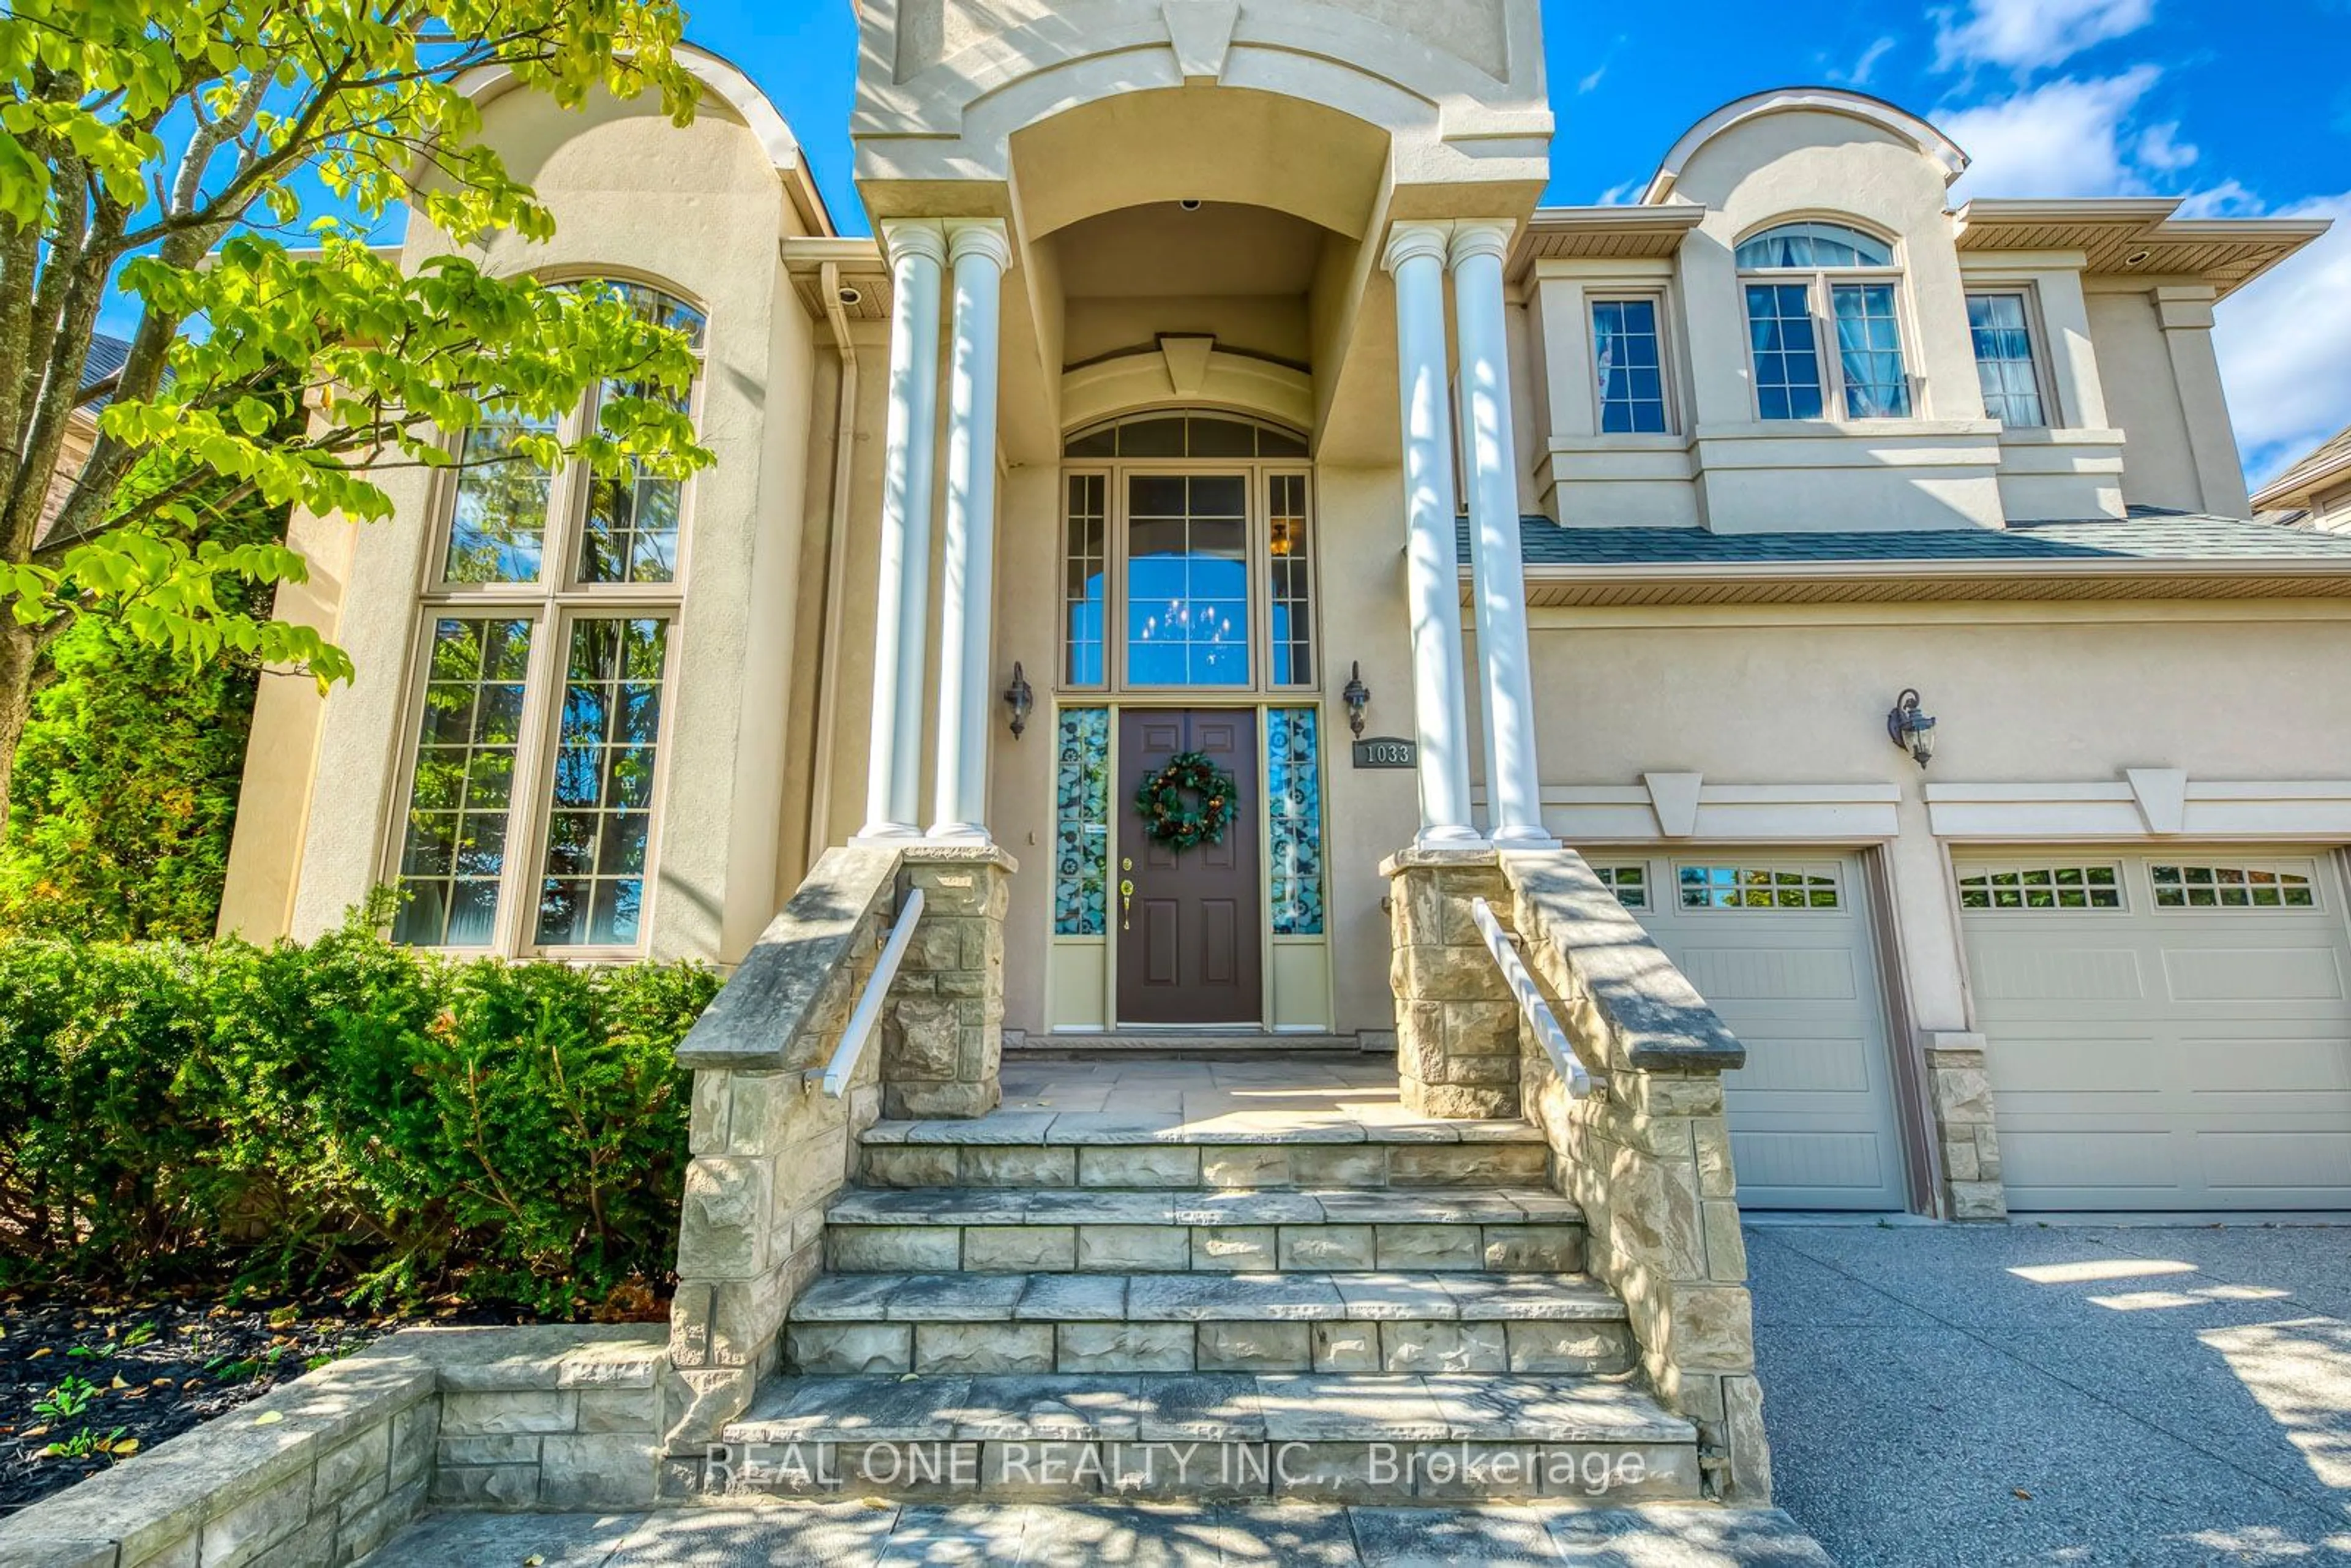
(2165, 1032)
(1781, 948)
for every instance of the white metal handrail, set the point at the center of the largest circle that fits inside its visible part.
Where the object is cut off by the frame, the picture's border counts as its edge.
(868, 1012)
(1580, 1082)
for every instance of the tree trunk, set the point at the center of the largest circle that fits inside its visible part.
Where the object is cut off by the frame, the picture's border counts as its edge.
(19, 656)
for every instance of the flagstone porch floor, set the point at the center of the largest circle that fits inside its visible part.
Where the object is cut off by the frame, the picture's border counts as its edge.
(1303, 1099)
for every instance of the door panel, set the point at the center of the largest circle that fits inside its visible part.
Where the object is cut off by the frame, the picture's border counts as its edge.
(2164, 1032)
(1781, 948)
(1190, 944)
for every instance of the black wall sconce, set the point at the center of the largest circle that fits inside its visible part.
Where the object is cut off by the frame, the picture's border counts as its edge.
(1021, 698)
(1357, 696)
(1911, 728)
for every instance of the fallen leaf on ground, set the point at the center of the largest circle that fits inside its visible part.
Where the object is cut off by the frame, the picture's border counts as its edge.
(2021, 1492)
(269, 1417)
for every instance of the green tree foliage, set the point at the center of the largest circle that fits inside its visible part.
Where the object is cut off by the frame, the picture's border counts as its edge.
(349, 1112)
(171, 142)
(127, 777)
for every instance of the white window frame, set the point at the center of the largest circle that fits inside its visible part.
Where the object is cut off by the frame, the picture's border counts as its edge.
(1668, 391)
(554, 602)
(2044, 380)
(1818, 281)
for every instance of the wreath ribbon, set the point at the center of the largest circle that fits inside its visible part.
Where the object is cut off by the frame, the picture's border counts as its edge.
(1166, 802)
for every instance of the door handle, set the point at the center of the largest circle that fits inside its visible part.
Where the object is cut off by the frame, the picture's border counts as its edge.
(1125, 906)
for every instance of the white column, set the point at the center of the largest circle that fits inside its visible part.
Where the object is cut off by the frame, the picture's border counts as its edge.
(901, 604)
(979, 254)
(1416, 255)
(1513, 777)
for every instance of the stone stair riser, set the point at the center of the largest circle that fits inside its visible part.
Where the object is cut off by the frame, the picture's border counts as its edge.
(852, 1349)
(1211, 1166)
(1498, 1248)
(1397, 1472)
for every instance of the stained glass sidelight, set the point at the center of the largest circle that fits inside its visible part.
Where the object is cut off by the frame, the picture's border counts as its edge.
(1082, 846)
(454, 848)
(1295, 802)
(593, 891)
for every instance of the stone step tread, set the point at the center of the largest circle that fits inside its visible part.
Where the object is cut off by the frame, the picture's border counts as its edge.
(1310, 1297)
(1203, 1207)
(1050, 1128)
(1214, 1407)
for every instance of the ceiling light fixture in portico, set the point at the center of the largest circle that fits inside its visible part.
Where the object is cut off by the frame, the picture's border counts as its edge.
(1190, 203)
(1911, 728)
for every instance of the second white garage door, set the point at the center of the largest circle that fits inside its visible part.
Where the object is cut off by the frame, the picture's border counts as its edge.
(2165, 1031)
(1781, 948)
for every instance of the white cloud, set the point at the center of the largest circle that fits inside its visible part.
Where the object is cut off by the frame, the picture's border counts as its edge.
(2229, 199)
(1625, 194)
(2064, 138)
(2284, 342)
(1865, 67)
(2033, 35)
(1592, 79)
(2160, 147)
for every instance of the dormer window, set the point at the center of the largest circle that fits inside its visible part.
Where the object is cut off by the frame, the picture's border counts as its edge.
(1812, 284)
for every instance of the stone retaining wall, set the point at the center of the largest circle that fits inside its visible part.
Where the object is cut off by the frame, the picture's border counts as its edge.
(1647, 1157)
(323, 1470)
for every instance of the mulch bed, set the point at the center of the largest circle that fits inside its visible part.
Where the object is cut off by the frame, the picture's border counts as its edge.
(119, 1374)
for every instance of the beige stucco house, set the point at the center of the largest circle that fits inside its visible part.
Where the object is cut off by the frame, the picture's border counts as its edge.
(1217, 382)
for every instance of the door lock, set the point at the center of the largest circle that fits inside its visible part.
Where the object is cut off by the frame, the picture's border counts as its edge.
(1126, 904)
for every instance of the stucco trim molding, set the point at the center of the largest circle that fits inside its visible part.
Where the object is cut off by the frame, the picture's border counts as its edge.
(2147, 803)
(1178, 369)
(1930, 142)
(1680, 808)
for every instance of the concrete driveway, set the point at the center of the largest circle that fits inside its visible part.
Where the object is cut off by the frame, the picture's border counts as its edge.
(2059, 1393)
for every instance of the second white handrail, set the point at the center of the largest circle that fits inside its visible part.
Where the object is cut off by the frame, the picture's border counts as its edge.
(1579, 1081)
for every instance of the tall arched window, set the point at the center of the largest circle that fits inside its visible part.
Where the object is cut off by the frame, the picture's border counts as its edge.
(1805, 282)
(529, 818)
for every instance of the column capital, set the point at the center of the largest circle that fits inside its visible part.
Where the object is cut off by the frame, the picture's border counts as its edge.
(980, 236)
(1412, 241)
(1482, 236)
(908, 238)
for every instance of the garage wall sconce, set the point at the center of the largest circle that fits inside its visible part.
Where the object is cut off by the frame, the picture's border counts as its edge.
(1911, 728)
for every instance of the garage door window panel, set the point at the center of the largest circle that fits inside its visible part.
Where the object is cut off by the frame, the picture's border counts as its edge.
(1630, 883)
(1752, 887)
(2232, 887)
(2051, 888)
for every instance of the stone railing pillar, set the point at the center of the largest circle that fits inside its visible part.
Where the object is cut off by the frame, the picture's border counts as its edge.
(1457, 1024)
(943, 1049)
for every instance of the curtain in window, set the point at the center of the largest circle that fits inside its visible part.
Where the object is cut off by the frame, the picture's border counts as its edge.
(1869, 351)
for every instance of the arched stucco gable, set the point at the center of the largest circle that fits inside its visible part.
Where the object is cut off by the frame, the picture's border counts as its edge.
(1930, 143)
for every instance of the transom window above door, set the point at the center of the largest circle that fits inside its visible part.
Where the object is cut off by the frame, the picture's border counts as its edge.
(1823, 322)
(1186, 559)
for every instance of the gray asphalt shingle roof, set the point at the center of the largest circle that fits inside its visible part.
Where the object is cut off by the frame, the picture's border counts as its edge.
(2148, 534)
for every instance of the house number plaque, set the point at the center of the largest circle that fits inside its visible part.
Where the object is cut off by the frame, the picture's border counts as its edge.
(1387, 751)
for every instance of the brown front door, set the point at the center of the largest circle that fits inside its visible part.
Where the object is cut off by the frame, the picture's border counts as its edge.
(1189, 945)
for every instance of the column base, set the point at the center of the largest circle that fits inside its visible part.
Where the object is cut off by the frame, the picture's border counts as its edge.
(1448, 838)
(961, 836)
(1458, 1051)
(943, 1039)
(1524, 839)
(890, 835)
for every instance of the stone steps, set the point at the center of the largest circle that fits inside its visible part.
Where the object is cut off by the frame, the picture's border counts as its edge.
(1498, 1229)
(1077, 1149)
(1182, 1045)
(1312, 1436)
(993, 1325)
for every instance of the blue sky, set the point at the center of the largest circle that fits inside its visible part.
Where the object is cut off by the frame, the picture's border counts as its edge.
(2242, 107)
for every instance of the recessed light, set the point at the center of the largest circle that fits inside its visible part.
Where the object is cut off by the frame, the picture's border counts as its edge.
(1190, 203)
(852, 296)
(2137, 259)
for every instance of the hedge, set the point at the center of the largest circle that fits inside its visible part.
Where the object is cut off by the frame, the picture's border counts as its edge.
(349, 1113)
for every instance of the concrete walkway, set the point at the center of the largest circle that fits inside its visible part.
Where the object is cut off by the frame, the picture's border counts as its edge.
(2058, 1393)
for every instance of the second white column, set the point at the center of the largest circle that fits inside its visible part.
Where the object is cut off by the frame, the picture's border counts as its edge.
(978, 252)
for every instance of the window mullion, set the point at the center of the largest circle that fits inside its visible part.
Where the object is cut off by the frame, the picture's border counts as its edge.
(526, 812)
